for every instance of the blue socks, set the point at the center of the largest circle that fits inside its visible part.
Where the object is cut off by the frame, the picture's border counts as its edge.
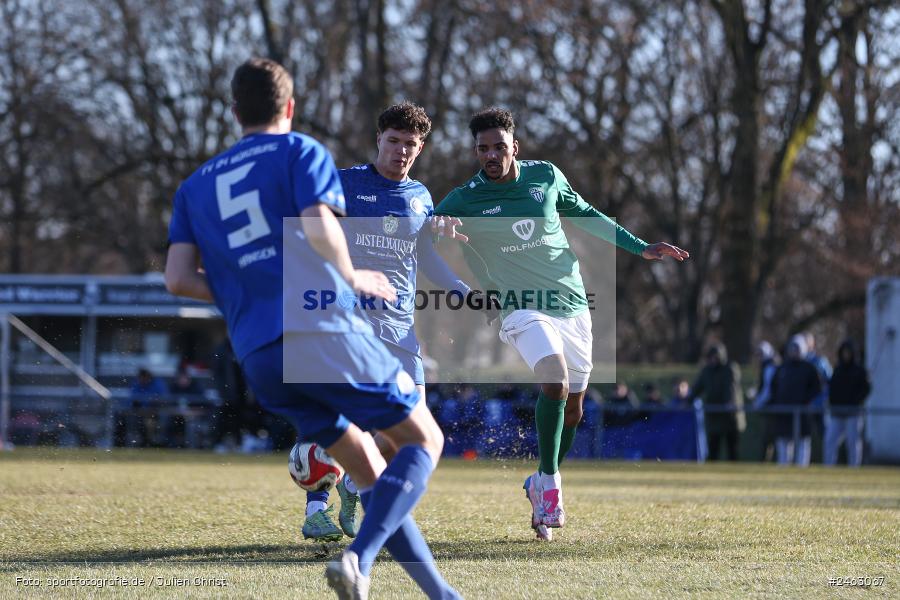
(318, 497)
(408, 547)
(394, 495)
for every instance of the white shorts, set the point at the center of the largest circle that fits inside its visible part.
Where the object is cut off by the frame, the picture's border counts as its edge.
(536, 335)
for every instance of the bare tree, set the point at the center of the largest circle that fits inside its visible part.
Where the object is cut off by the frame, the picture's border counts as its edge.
(757, 134)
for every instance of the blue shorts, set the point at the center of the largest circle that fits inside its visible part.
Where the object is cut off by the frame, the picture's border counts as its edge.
(411, 362)
(400, 342)
(375, 392)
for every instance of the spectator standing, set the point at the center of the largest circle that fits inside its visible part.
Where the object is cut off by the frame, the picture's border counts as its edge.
(823, 368)
(768, 364)
(719, 385)
(184, 390)
(147, 392)
(795, 384)
(847, 392)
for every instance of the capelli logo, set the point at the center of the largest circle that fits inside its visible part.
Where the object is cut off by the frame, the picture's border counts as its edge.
(404, 484)
(524, 229)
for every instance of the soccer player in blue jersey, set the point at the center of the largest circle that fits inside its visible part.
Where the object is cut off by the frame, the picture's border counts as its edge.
(393, 211)
(228, 218)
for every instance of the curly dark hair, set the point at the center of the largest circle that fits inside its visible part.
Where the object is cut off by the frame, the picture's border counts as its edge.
(405, 116)
(492, 118)
(261, 89)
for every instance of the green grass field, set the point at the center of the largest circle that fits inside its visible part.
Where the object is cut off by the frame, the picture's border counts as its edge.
(635, 530)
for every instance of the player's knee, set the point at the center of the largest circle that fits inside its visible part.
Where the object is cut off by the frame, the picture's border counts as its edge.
(419, 429)
(385, 446)
(551, 372)
(432, 438)
(555, 391)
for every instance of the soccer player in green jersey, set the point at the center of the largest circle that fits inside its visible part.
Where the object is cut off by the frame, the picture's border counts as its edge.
(533, 260)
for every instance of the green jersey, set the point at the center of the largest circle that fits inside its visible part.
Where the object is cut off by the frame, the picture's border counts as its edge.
(516, 243)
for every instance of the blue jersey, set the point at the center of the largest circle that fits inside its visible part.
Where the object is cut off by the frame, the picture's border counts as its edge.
(232, 208)
(394, 238)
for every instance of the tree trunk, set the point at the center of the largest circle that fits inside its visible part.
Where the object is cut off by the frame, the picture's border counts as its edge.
(856, 149)
(740, 247)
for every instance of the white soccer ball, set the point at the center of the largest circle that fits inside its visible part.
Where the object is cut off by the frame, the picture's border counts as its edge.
(312, 468)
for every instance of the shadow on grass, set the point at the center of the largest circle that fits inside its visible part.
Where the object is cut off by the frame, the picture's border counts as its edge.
(516, 550)
(250, 553)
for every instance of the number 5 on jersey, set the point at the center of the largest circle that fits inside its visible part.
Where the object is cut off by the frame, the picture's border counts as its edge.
(247, 202)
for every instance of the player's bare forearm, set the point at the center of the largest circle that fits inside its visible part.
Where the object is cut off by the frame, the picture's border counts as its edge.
(326, 236)
(194, 286)
(183, 274)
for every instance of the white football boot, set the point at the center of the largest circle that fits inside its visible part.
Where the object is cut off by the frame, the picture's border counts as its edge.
(345, 578)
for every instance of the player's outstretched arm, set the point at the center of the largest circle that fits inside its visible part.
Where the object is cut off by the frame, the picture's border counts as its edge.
(570, 204)
(660, 250)
(183, 275)
(436, 268)
(326, 236)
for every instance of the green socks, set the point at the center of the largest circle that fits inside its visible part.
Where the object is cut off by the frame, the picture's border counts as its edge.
(548, 416)
(566, 441)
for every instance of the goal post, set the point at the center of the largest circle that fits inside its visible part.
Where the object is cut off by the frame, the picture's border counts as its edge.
(8, 321)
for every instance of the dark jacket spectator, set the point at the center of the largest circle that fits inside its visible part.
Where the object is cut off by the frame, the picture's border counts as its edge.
(652, 399)
(795, 383)
(135, 427)
(147, 389)
(652, 395)
(850, 384)
(620, 407)
(848, 391)
(719, 385)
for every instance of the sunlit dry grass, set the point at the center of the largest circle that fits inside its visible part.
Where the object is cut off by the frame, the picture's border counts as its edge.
(635, 530)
